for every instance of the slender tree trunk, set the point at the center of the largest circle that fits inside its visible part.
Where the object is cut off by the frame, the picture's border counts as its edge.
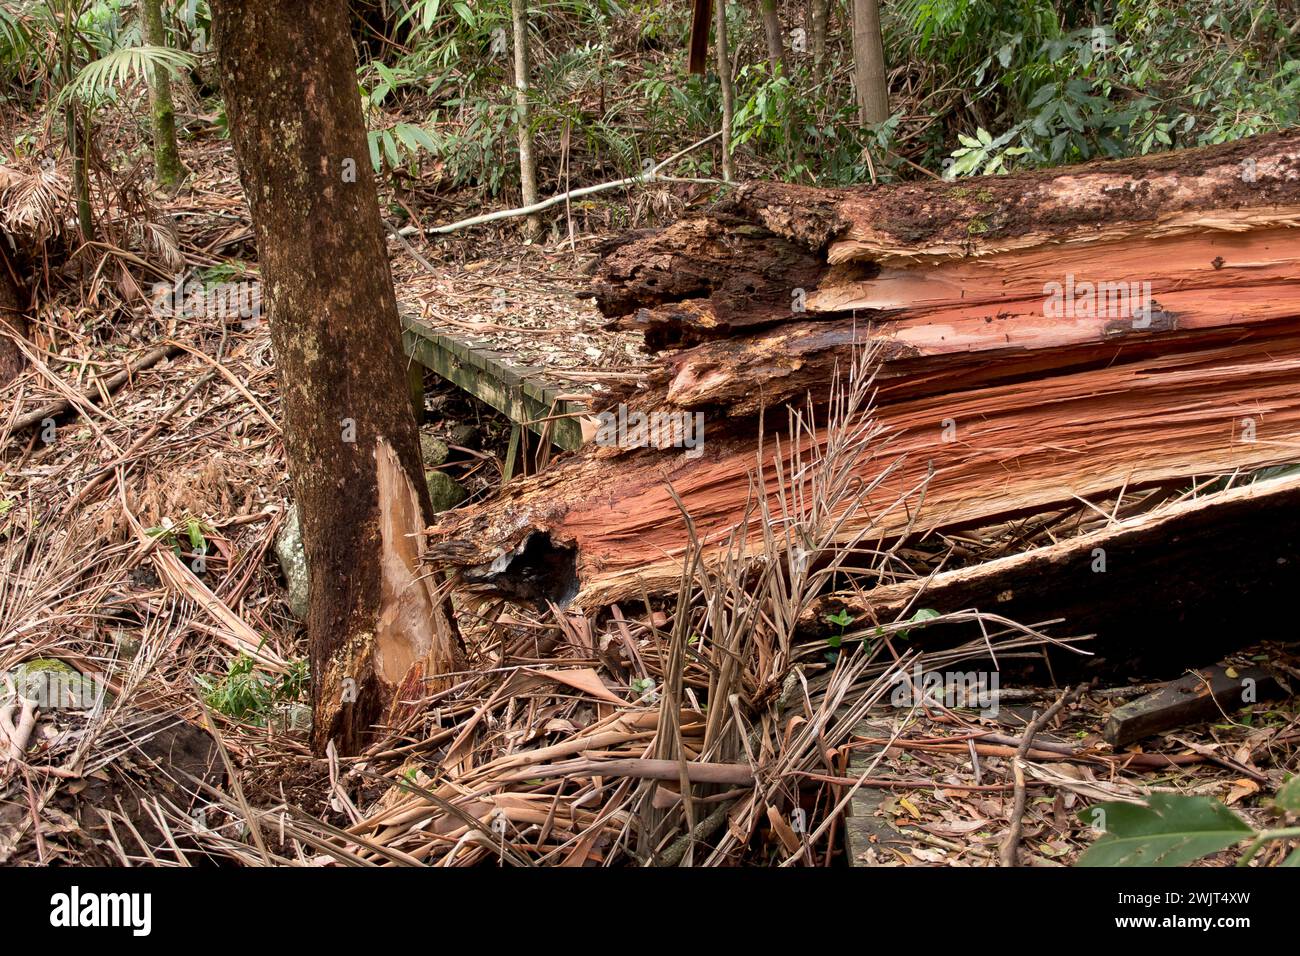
(527, 164)
(375, 628)
(78, 149)
(821, 14)
(724, 77)
(772, 30)
(869, 62)
(166, 160)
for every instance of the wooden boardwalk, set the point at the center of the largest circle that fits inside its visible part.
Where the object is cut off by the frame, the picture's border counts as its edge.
(525, 395)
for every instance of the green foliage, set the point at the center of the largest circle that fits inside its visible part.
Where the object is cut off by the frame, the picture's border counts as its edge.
(100, 79)
(1174, 830)
(245, 693)
(1169, 831)
(191, 531)
(1044, 82)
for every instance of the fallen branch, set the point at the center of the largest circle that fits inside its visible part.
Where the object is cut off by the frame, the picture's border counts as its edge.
(109, 385)
(646, 178)
(696, 772)
(14, 736)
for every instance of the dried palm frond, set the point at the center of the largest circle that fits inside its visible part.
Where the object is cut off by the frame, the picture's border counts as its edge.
(32, 201)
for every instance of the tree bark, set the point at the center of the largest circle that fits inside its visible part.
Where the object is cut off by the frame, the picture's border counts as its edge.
(820, 15)
(772, 32)
(12, 312)
(724, 78)
(698, 52)
(288, 72)
(869, 62)
(527, 163)
(166, 160)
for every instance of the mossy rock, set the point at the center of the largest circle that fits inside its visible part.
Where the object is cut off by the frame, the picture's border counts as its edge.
(466, 436)
(444, 492)
(55, 685)
(293, 562)
(433, 450)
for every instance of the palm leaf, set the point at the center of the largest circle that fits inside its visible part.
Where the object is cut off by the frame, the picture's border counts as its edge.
(119, 68)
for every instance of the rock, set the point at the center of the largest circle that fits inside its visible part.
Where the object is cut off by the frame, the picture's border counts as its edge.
(444, 493)
(434, 451)
(293, 562)
(466, 436)
(54, 685)
(128, 645)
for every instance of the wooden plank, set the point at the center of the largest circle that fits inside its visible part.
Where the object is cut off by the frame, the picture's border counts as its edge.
(515, 391)
(1201, 695)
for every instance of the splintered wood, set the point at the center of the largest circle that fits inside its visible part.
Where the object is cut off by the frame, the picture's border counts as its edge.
(1039, 338)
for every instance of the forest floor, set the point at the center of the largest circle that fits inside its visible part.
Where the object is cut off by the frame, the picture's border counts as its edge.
(139, 535)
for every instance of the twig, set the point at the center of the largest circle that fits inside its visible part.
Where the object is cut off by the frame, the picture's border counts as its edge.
(1007, 853)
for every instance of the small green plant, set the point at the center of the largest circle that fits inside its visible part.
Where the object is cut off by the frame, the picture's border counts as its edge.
(841, 619)
(920, 617)
(643, 687)
(1174, 830)
(247, 694)
(191, 530)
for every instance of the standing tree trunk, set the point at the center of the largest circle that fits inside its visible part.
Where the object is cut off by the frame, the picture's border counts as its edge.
(869, 62)
(820, 15)
(166, 161)
(724, 77)
(772, 29)
(375, 627)
(527, 164)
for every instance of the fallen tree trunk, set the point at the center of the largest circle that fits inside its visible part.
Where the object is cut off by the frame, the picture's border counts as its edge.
(1040, 338)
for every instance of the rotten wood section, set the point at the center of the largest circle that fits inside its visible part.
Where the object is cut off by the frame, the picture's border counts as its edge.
(1039, 338)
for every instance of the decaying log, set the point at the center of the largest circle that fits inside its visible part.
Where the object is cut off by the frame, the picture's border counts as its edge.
(1040, 338)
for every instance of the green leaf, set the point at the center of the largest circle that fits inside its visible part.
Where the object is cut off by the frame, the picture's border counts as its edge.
(117, 69)
(1293, 859)
(1044, 94)
(465, 12)
(1170, 830)
(1288, 798)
